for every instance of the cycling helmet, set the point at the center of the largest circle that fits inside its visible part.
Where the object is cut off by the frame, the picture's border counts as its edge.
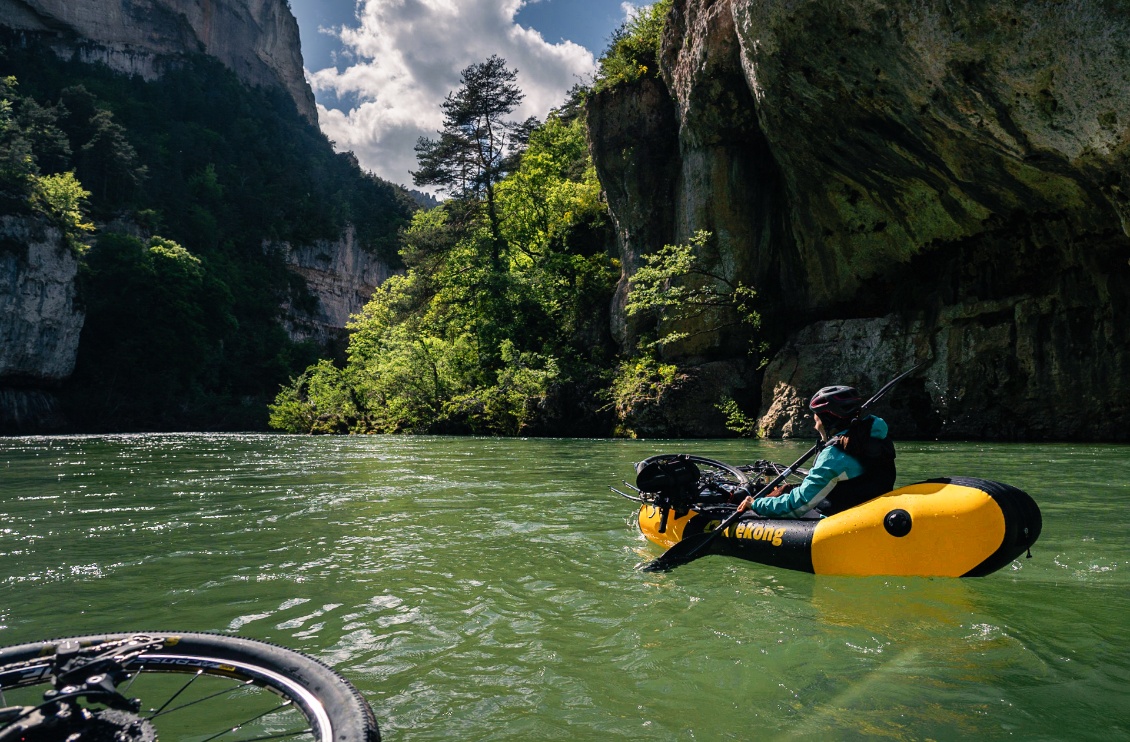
(837, 401)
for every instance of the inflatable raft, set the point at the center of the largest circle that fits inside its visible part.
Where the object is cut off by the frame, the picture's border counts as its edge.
(947, 527)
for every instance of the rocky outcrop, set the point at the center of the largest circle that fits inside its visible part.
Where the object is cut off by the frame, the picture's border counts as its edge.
(257, 39)
(633, 140)
(1046, 360)
(729, 181)
(339, 278)
(41, 322)
(690, 405)
(932, 181)
(904, 128)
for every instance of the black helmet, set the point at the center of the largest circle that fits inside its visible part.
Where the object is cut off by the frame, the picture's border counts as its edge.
(837, 401)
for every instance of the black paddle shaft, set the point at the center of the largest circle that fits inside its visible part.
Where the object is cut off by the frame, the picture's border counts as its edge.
(690, 547)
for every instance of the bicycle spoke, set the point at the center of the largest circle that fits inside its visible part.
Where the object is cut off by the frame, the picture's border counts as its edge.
(200, 700)
(183, 688)
(239, 726)
(307, 730)
(130, 683)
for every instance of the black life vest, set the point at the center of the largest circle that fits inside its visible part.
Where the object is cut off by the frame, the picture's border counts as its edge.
(876, 455)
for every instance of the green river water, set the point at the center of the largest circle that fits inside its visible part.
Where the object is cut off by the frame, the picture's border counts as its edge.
(487, 589)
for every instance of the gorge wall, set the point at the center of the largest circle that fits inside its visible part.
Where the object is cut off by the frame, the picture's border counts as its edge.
(257, 39)
(41, 314)
(40, 322)
(340, 277)
(937, 181)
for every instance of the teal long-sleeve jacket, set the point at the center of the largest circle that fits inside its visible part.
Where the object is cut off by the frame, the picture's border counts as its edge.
(832, 466)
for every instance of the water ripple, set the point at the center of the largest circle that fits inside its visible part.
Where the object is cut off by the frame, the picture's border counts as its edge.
(487, 589)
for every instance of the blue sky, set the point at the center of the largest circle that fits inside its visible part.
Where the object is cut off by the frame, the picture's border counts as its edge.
(381, 68)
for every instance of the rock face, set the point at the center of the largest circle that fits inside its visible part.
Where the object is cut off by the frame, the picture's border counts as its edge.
(41, 322)
(633, 137)
(257, 39)
(933, 181)
(339, 277)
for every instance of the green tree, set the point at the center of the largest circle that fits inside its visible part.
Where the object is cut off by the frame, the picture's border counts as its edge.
(318, 401)
(109, 163)
(475, 149)
(689, 298)
(477, 143)
(555, 223)
(40, 126)
(62, 198)
(634, 51)
(17, 159)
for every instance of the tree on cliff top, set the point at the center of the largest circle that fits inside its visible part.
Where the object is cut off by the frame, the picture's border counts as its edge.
(477, 146)
(634, 51)
(31, 143)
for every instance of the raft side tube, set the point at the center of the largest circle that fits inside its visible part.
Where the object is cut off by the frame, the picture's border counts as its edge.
(952, 527)
(1022, 518)
(777, 542)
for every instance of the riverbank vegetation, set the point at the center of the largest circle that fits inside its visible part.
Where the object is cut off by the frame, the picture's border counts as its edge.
(499, 324)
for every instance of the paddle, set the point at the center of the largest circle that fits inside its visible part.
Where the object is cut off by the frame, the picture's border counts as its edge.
(693, 546)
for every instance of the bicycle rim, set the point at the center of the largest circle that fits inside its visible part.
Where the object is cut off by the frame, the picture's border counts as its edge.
(197, 687)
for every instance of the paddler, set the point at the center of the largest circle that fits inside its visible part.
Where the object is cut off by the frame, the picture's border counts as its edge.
(857, 465)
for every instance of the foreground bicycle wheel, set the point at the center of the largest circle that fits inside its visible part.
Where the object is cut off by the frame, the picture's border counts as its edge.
(185, 686)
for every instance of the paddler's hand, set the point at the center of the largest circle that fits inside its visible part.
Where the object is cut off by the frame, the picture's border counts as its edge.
(780, 490)
(746, 504)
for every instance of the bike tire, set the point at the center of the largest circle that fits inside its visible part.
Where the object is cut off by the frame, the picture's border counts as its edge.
(324, 696)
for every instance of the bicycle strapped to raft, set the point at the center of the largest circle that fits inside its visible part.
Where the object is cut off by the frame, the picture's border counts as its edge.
(170, 686)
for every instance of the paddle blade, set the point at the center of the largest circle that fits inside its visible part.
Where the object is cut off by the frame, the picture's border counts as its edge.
(687, 550)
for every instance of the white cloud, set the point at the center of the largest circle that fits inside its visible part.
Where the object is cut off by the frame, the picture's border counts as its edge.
(406, 56)
(631, 10)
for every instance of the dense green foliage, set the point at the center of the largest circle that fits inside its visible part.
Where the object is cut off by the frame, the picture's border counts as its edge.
(198, 171)
(28, 135)
(634, 51)
(686, 296)
(499, 324)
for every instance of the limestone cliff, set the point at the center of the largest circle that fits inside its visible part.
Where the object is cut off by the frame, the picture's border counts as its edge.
(931, 181)
(634, 142)
(41, 322)
(257, 39)
(339, 279)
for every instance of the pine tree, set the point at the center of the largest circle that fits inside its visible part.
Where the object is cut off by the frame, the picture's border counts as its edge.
(478, 144)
